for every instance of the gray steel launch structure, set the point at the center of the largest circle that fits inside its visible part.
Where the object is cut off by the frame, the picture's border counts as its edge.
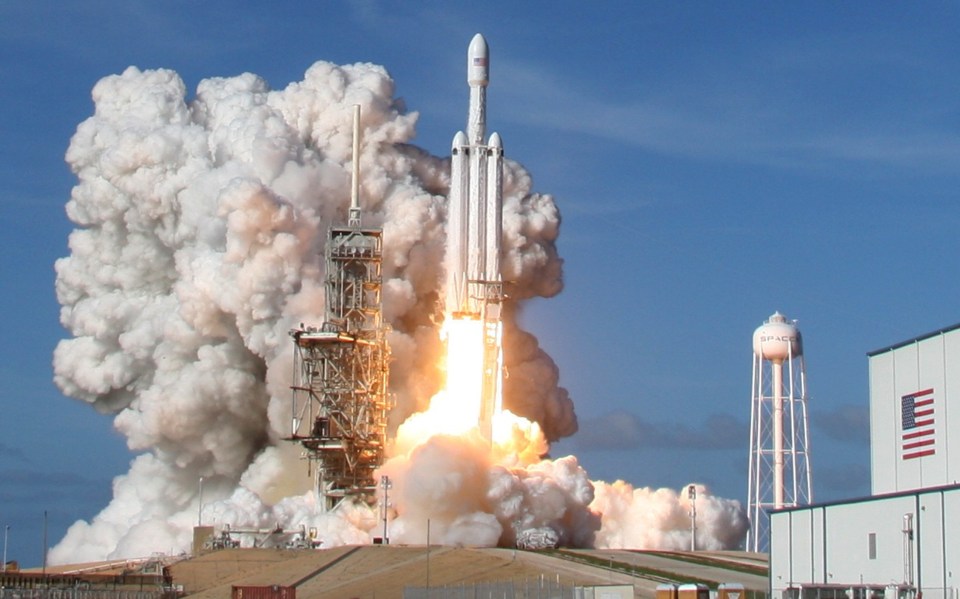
(340, 369)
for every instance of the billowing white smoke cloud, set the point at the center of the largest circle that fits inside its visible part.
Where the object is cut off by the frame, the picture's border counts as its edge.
(200, 231)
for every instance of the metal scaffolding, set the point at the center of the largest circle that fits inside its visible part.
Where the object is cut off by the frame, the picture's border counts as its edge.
(340, 373)
(340, 369)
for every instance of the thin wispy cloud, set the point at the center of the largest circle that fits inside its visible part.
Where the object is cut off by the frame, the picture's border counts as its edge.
(625, 431)
(744, 121)
(8, 453)
(849, 424)
(23, 486)
(842, 480)
(608, 207)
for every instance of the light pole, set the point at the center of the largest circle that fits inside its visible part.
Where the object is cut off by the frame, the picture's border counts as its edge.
(692, 495)
(386, 485)
(428, 558)
(6, 532)
(44, 547)
(200, 507)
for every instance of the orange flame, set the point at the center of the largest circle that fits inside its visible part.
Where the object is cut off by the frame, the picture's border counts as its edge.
(455, 410)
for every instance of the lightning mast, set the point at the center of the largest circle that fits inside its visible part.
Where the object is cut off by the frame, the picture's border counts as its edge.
(340, 369)
(780, 474)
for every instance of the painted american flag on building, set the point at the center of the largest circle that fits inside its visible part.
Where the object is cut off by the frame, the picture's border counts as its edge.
(917, 420)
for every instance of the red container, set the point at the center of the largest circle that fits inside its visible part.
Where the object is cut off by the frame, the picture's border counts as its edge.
(274, 591)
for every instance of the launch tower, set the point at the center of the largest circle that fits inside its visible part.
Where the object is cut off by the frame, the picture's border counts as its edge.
(340, 368)
(780, 473)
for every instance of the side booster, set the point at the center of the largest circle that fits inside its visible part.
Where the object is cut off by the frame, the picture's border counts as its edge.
(474, 226)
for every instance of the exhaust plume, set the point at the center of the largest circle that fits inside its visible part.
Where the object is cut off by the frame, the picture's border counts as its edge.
(200, 226)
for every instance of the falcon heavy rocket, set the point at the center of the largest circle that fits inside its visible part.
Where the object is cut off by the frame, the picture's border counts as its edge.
(474, 288)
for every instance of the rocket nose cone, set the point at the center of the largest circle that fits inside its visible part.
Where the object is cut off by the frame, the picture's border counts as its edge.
(478, 61)
(478, 46)
(495, 141)
(459, 140)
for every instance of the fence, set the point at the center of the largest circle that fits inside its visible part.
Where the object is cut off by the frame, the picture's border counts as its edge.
(79, 593)
(540, 588)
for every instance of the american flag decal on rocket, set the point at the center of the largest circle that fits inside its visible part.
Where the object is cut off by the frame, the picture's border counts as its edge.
(916, 417)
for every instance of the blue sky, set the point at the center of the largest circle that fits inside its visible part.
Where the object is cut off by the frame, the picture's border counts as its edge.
(713, 163)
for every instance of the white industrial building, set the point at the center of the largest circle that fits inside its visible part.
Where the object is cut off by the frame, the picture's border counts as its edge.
(904, 539)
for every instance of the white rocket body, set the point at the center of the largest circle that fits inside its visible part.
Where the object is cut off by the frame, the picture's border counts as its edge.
(475, 215)
(474, 288)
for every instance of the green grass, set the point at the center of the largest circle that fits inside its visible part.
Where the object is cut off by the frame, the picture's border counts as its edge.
(643, 572)
(704, 560)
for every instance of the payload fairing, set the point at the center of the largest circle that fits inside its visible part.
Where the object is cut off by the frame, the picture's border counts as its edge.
(474, 288)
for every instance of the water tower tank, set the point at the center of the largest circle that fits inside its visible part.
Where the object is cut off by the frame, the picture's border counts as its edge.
(777, 340)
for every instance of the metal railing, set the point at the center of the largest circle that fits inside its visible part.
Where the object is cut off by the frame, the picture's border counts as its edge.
(539, 588)
(79, 593)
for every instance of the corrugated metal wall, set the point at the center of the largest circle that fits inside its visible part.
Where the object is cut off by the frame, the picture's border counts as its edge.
(863, 542)
(928, 363)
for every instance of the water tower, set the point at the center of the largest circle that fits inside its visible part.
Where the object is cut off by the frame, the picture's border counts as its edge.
(779, 474)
